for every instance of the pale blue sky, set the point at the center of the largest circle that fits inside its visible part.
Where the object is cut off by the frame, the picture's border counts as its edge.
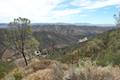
(67, 11)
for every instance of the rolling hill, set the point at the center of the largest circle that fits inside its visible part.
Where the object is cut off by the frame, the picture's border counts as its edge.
(103, 48)
(62, 35)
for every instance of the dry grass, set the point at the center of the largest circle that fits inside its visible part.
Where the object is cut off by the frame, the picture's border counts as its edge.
(46, 74)
(44, 70)
(54, 70)
(90, 71)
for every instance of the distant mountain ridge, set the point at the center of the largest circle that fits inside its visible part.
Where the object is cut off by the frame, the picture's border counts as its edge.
(71, 28)
(61, 35)
(78, 24)
(64, 33)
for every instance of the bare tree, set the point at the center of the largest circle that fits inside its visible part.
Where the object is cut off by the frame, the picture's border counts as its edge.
(20, 36)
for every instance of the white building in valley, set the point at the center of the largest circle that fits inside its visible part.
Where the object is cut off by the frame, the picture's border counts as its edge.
(83, 40)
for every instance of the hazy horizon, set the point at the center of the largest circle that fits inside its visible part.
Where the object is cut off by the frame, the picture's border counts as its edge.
(62, 23)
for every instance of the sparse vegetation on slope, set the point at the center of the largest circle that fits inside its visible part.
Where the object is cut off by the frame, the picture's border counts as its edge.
(54, 70)
(105, 48)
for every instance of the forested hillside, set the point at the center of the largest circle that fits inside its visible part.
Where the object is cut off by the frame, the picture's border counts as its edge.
(105, 48)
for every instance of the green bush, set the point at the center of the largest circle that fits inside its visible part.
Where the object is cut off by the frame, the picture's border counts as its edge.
(17, 74)
(5, 68)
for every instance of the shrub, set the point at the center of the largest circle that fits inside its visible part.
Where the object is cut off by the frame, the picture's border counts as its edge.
(90, 71)
(5, 68)
(45, 70)
(17, 74)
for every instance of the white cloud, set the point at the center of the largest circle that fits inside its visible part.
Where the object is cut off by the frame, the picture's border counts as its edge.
(67, 12)
(89, 4)
(45, 10)
(27, 8)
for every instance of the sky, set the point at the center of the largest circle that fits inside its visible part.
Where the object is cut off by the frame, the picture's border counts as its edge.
(60, 11)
